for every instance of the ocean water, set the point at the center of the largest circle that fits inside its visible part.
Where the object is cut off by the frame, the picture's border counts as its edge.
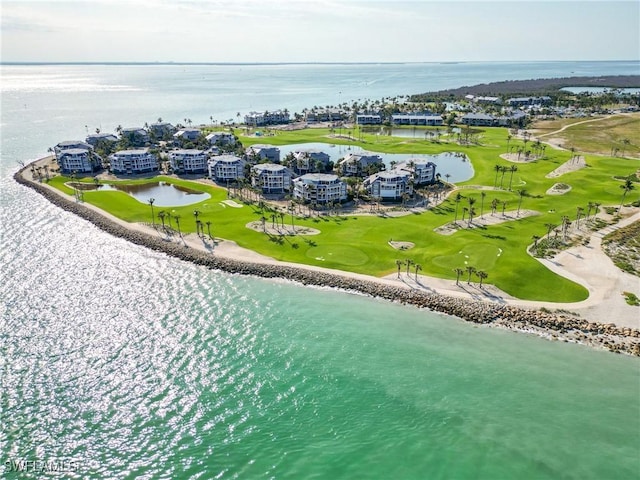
(119, 362)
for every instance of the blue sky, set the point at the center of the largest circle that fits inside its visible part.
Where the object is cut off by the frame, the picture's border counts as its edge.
(318, 30)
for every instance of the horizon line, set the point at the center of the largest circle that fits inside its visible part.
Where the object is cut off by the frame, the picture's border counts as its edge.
(180, 63)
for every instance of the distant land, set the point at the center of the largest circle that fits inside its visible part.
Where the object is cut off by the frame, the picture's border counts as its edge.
(538, 86)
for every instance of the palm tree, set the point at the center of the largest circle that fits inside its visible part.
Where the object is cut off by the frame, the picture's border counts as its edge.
(626, 187)
(399, 264)
(195, 214)
(208, 222)
(151, 201)
(161, 215)
(470, 270)
(481, 275)
(504, 206)
(503, 170)
(498, 169)
(457, 200)
(408, 263)
(625, 142)
(550, 227)
(459, 272)
(535, 239)
(482, 195)
(177, 219)
(522, 192)
(512, 169)
(566, 222)
(494, 206)
(579, 211)
(471, 201)
(418, 267)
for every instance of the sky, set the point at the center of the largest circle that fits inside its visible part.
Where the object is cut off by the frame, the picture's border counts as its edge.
(318, 30)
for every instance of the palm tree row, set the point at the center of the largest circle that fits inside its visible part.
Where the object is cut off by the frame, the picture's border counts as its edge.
(470, 270)
(409, 263)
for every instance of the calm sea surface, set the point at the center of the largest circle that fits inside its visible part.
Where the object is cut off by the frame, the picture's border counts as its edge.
(125, 363)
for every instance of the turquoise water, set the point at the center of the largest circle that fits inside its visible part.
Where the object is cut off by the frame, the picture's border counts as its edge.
(132, 364)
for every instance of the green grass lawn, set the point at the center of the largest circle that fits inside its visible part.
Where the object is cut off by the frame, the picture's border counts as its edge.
(361, 243)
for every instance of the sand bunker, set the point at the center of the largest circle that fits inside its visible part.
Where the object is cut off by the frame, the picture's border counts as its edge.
(572, 165)
(231, 203)
(402, 245)
(559, 189)
(279, 229)
(485, 220)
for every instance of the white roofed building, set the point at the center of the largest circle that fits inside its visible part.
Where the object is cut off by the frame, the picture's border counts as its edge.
(309, 161)
(259, 152)
(133, 161)
(271, 178)
(188, 161)
(221, 138)
(258, 119)
(319, 188)
(422, 171)
(80, 160)
(356, 164)
(226, 168)
(389, 185)
(368, 119)
(417, 119)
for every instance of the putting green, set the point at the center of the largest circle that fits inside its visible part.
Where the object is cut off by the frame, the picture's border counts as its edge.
(482, 256)
(338, 254)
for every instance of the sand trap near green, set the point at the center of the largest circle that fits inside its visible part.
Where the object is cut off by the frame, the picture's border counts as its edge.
(338, 254)
(482, 256)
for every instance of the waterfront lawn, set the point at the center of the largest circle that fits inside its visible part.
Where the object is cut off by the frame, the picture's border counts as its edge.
(361, 243)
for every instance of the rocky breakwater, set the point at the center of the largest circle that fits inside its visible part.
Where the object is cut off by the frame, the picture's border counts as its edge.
(547, 324)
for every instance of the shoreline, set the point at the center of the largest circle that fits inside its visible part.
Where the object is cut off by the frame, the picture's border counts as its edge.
(503, 314)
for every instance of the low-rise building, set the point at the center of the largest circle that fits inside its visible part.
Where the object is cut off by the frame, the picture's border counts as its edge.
(357, 164)
(95, 138)
(133, 161)
(324, 115)
(479, 120)
(526, 101)
(80, 160)
(389, 185)
(188, 134)
(423, 172)
(221, 138)
(69, 144)
(368, 119)
(259, 119)
(162, 130)
(271, 178)
(427, 119)
(309, 161)
(188, 161)
(319, 188)
(226, 168)
(135, 136)
(259, 152)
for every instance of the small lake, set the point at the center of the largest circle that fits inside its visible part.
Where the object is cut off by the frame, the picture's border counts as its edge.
(165, 194)
(455, 164)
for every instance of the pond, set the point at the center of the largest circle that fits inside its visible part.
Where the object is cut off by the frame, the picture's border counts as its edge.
(457, 165)
(165, 194)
